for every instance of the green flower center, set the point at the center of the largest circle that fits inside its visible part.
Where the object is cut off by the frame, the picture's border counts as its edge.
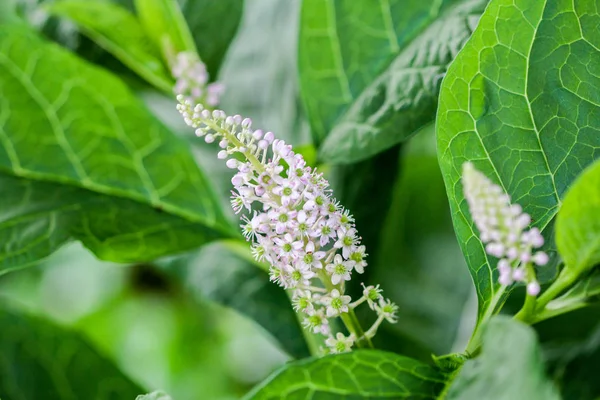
(319, 200)
(373, 295)
(339, 269)
(296, 275)
(347, 241)
(356, 256)
(303, 303)
(340, 347)
(344, 219)
(302, 227)
(314, 320)
(337, 303)
(331, 207)
(287, 191)
(287, 247)
(299, 172)
(283, 218)
(308, 259)
(326, 230)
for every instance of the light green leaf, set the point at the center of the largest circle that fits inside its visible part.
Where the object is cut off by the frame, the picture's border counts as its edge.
(81, 157)
(363, 374)
(41, 361)
(510, 367)
(403, 97)
(578, 223)
(154, 396)
(521, 102)
(165, 24)
(118, 31)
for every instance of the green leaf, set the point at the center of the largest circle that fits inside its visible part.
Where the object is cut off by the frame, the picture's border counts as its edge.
(39, 360)
(165, 25)
(521, 102)
(154, 396)
(370, 74)
(509, 368)
(81, 157)
(363, 374)
(578, 223)
(217, 273)
(213, 25)
(118, 31)
(403, 97)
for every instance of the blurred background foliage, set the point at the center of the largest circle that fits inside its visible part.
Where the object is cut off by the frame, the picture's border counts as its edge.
(208, 324)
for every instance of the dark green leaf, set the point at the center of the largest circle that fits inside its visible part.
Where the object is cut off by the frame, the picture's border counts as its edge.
(218, 274)
(521, 102)
(104, 157)
(578, 223)
(403, 97)
(509, 368)
(213, 25)
(119, 32)
(41, 361)
(363, 374)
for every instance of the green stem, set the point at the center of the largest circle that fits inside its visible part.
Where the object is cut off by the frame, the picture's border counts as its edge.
(313, 341)
(475, 340)
(563, 282)
(528, 311)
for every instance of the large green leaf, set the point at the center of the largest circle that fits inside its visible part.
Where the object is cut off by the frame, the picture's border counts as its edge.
(363, 374)
(510, 367)
(521, 102)
(218, 274)
(370, 74)
(578, 223)
(41, 361)
(119, 32)
(97, 155)
(403, 97)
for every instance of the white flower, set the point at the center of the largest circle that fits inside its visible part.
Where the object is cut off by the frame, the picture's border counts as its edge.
(284, 219)
(312, 258)
(346, 240)
(287, 191)
(372, 294)
(387, 309)
(326, 231)
(305, 223)
(288, 245)
(357, 256)
(303, 301)
(336, 303)
(298, 274)
(340, 344)
(317, 322)
(339, 270)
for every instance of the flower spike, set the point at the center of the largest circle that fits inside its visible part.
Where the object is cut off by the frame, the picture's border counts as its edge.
(502, 228)
(294, 223)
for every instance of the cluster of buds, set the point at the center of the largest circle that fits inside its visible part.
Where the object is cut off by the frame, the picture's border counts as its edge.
(502, 228)
(192, 80)
(295, 225)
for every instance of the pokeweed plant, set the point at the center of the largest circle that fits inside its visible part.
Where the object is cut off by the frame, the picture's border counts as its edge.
(517, 124)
